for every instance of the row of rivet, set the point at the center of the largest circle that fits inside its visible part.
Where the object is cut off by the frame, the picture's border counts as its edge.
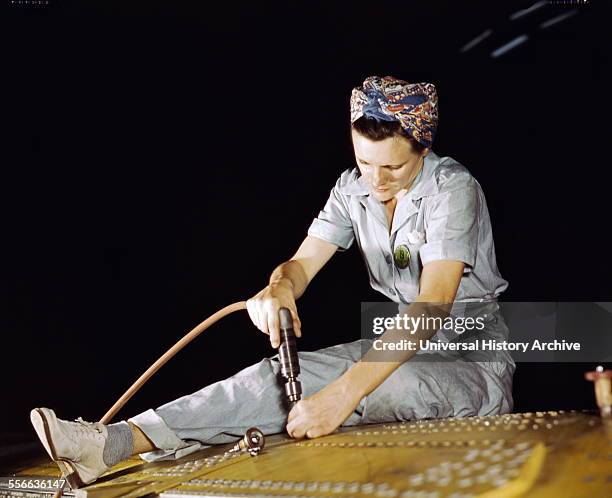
(487, 420)
(432, 494)
(391, 444)
(536, 424)
(381, 489)
(188, 467)
(178, 491)
(382, 444)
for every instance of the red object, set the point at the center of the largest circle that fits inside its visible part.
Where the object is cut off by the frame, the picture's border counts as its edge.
(604, 374)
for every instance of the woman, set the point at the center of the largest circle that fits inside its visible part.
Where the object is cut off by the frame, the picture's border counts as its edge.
(422, 226)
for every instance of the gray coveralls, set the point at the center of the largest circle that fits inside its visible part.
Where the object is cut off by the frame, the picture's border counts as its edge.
(443, 217)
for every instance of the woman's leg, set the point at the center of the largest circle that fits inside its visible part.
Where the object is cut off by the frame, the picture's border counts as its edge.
(429, 387)
(140, 442)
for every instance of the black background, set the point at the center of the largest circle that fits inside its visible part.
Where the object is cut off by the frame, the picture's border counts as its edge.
(161, 159)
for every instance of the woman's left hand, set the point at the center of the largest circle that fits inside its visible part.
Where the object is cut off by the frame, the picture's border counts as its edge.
(323, 412)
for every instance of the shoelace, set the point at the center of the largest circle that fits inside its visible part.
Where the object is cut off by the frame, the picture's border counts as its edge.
(84, 428)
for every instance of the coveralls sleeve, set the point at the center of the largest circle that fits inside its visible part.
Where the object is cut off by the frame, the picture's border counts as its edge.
(451, 223)
(333, 224)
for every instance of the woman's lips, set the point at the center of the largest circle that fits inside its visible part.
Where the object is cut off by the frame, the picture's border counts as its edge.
(381, 189)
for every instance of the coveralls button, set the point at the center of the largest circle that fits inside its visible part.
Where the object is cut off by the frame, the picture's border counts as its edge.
(392, 291)
(388, 259)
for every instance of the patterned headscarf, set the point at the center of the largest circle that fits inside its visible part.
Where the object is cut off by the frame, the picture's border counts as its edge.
(414, 105)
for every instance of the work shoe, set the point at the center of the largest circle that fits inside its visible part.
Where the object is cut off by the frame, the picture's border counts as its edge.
(77, 447)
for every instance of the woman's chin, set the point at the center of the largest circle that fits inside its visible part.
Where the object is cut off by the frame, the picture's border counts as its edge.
(383, 195)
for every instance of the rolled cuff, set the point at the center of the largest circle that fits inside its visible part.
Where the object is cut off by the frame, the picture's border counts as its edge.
(334, 234)
(170, 445)
(448, 250)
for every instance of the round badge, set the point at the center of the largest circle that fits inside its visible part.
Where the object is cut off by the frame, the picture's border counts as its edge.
(402, 256)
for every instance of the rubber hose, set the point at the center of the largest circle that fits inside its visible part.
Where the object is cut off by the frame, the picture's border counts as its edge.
(133, 389)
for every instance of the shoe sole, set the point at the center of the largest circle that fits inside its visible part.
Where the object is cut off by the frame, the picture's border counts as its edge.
(41, 426)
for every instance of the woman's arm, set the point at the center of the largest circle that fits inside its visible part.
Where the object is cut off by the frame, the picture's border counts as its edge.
(298, 272)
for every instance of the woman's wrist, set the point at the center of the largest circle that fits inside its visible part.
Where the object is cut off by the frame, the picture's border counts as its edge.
(283, 283)
(353, 383)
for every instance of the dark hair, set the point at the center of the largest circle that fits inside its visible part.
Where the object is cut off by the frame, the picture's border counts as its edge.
(379, 130)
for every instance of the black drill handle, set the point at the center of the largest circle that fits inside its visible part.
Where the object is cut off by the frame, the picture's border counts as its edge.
(290, 366)
(287, 352)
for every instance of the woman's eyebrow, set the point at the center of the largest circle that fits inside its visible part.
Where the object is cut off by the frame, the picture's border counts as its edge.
(384, 165)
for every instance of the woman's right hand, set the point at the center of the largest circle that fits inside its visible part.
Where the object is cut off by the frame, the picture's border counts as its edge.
(264, 306)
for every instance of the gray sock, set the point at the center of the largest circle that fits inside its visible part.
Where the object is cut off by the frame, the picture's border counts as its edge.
(119, 444)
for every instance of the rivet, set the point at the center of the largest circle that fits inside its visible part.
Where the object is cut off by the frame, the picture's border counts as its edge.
(464, 483)
(444, 481)
(416, 480)
(367, 488)
(338, 487)
(471, 455)
(500, 481)
(478, 465)
(324, 486)
(495, 469)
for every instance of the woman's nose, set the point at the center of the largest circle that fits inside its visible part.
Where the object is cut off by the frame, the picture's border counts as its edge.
(378, 177)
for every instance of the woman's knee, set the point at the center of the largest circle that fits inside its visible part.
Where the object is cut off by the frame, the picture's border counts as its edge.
(424, 389)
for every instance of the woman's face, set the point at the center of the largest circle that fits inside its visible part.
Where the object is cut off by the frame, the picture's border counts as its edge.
(388, 166)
